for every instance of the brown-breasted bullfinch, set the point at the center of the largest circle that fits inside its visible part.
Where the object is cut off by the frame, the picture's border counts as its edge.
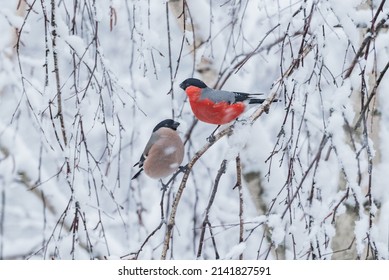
(216, 106)
(163, 153)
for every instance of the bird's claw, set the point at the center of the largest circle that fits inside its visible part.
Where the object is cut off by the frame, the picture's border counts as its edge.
(180, 169)
(211, 138)
(242, 121)
(183, 169)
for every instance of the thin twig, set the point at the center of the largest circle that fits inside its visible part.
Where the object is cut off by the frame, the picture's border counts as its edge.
(56, 72)
(372, 34)
(240, 190)
(206, 222)
(371, 96)
(162, 222)
(182, 186)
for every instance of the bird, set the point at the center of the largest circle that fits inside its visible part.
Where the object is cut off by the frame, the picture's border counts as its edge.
(216, 106)
(164, 152)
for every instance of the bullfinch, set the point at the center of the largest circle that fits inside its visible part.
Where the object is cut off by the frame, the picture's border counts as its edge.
(163, 153)
(216, 106)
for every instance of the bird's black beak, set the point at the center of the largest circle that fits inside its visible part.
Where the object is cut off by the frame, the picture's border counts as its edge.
(175, 125)
(182, 86)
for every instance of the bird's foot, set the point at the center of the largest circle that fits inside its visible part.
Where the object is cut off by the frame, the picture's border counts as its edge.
(180, 169)
(183, 169)
(242, 121)
(211, 138)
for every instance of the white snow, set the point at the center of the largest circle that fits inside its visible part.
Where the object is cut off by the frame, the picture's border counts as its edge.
(236, 251)
(77, 44)
(304, 164)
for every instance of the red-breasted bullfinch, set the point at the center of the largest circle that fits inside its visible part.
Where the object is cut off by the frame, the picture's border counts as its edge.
(216, 106)
(163, 153)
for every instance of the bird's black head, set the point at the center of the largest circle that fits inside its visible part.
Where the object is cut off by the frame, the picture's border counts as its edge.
(192, 82)
(167, 123)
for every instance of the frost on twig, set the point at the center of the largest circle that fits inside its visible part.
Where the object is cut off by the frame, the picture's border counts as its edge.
(81, 84)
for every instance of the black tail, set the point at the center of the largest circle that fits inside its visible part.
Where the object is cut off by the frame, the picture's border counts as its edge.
(137, 174)
(256, 101)
(259, 100)
(242, 96)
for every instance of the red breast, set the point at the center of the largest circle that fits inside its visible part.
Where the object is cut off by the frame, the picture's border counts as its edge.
(215, 113)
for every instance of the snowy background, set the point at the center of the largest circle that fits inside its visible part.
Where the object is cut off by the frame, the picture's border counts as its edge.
(83, 83)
